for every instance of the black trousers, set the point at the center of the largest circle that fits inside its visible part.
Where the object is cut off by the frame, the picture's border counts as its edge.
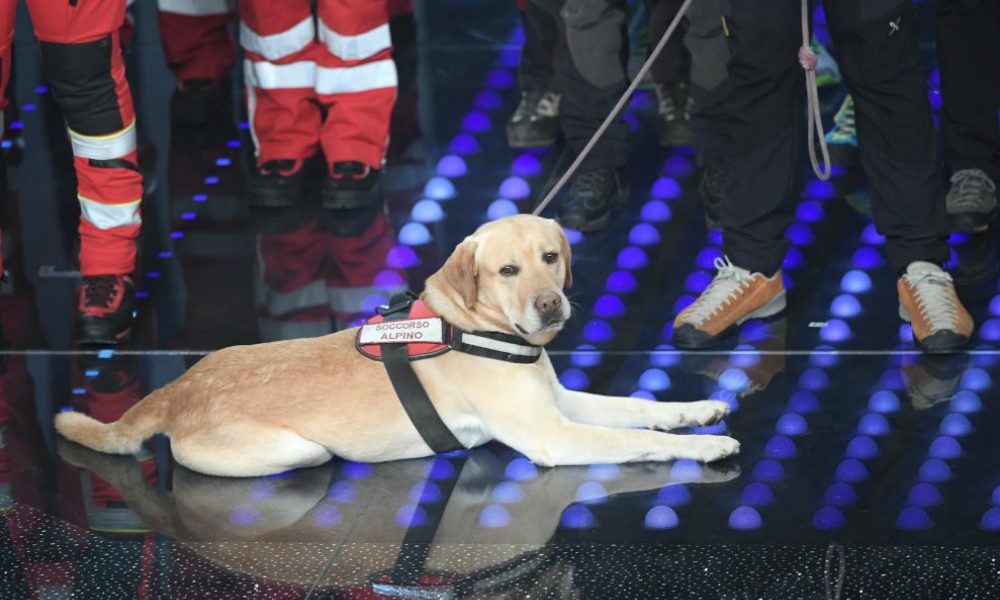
(968, 41)
(543, 44)
(876, 48)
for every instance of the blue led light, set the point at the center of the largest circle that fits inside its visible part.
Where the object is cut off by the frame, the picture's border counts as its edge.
(828, 518)
(991, 519)
(678, 167)
(439, 188)
(200, 197)
(591, 492)
(824, 356)
(6, 144)
(697, 281)
(945, 448)
(851, 470)
(234, 144)
(892, 379)
(674, 495)
(745, 356)
(819, 189)
(487, 101)
(603, 472)
(856, 282)
(661, 517)
(866, 257)
(425, 492)
(745, 518)
(803, 402)
(356, 470)
(799, 234)
(757, 494)
(845, 306)
(995, 499)
(791, 424)
(883, 401)
(464, 144)
(16, 125)
(644, 234)
(793, 259)
(966, 402)
(639, 102)
(976, 379)
(597, 330)
(873, 424)
(706, 258)
(727, 397)
(768, 470)
(411, 515)
(621, 282)
(814, 380)
(515, 188)
(872, 237)
(177, 235)
(401, 257)
(327, 515)
(714, 237)
(686, 470)
(862, 448)
(42, 89)
(995, 306)
(666, 188)
(577, 517)
(809, 211)
(342, 491)
(924, 495)
(476, 122)
(211, 180)
(526, 165)
(682, 302)
(426, 211)
(500, 208)
(780, 447)
(655, 211)
(835, 331)
(734, 380)
(840, 494)
(643, 395)
(507, 492)
(223, 162)
(914, 518)
(585, 356)
(935, 470)
(414, 234)
(664, 356)
(956, 425)
(654, 380)
(494, 516)
(451, 165)
(105, 354)
(632, 258)
(574, 379)
(189, 216)
(244, 515)
(521, 469)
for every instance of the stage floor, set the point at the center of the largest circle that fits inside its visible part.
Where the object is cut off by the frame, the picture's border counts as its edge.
(867, 470)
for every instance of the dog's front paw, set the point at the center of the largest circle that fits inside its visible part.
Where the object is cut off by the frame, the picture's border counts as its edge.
(710, 448)
(703, 412)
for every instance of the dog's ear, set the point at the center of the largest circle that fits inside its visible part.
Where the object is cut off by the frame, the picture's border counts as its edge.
(566, 252)
(460, 271)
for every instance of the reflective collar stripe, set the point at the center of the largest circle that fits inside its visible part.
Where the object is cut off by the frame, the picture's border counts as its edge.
(103, 147)
(281, 44)
(498, 346)
(355, 47)
(196, 8)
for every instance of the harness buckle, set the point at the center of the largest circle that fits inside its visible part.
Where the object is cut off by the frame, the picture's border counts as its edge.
(398, 303)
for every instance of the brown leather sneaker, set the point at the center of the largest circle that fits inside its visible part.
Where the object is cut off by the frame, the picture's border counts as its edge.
(928, 301)
(734, 296)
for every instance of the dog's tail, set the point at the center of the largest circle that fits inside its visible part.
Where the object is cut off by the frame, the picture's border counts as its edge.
(124, 436)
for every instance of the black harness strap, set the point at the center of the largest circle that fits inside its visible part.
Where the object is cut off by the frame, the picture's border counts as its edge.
(412, 394)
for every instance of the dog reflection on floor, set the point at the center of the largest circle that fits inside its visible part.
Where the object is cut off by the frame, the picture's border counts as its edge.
(506, 508)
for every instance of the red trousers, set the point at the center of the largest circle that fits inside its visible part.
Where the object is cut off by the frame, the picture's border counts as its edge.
(296, 63)
(82, 58)
(196, 39)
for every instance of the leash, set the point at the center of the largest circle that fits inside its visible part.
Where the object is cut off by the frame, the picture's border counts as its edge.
(807, 58)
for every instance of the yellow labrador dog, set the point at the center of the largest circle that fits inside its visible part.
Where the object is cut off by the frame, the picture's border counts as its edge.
(267, 408)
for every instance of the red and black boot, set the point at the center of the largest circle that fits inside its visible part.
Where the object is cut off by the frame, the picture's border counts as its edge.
(352, 184)
(106, 310)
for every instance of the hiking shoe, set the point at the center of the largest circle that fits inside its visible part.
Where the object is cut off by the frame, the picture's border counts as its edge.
(711, 189)
(734, 296)
(535, 122)
(351, 185)
(106, 309)
(674, 121)
(971, 201)
(842, 140)
(587, 205)
(276, 184)
(927, 300)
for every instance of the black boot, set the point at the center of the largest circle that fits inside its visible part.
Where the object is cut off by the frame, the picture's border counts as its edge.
(587, 206)
(352, 184)
(674, 120)
(106, 310)
(276, 184)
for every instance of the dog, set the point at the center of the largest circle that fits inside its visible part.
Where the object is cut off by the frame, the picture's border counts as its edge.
(268, 408)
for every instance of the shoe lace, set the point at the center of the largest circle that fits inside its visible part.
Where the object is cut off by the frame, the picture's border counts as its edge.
(548, 106)
(969, 187)
(845, 116)
(100, 290)
(935, 298)
(666, 106)
(729, 283)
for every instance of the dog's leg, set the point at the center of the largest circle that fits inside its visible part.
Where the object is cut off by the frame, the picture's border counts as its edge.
(247, 449)
(618, 411)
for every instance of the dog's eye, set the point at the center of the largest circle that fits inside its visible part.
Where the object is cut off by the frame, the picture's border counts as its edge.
(550, 257)
(508, 270)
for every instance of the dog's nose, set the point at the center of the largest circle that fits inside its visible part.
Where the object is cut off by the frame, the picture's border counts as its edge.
(548, 302)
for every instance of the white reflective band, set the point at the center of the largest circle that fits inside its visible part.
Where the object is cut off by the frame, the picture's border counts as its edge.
(197, 8)
(362, 78)
(267, 76)
(103, 147)
(308, 296)
(483, 342)
(406, 331)
(354, 299)
(278, 45)
(109, 216)
(355, 47)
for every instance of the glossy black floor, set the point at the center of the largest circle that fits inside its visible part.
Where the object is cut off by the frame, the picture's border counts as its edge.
(867, 470)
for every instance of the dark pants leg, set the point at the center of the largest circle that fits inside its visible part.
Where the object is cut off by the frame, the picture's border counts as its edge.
(706, 45)
(876, 48)
(968, 37)
(674, 63)
(593, 77)
(542, 41)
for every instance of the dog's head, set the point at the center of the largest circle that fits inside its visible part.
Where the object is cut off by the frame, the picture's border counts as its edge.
(511, 273)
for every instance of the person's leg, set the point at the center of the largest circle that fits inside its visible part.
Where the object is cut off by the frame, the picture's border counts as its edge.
(968, 43)
(672, 74)
(8, 9)
(876, 44)
(593, 78)
(279, 38)
(765, 107)
(536, 119)
(82, 59)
